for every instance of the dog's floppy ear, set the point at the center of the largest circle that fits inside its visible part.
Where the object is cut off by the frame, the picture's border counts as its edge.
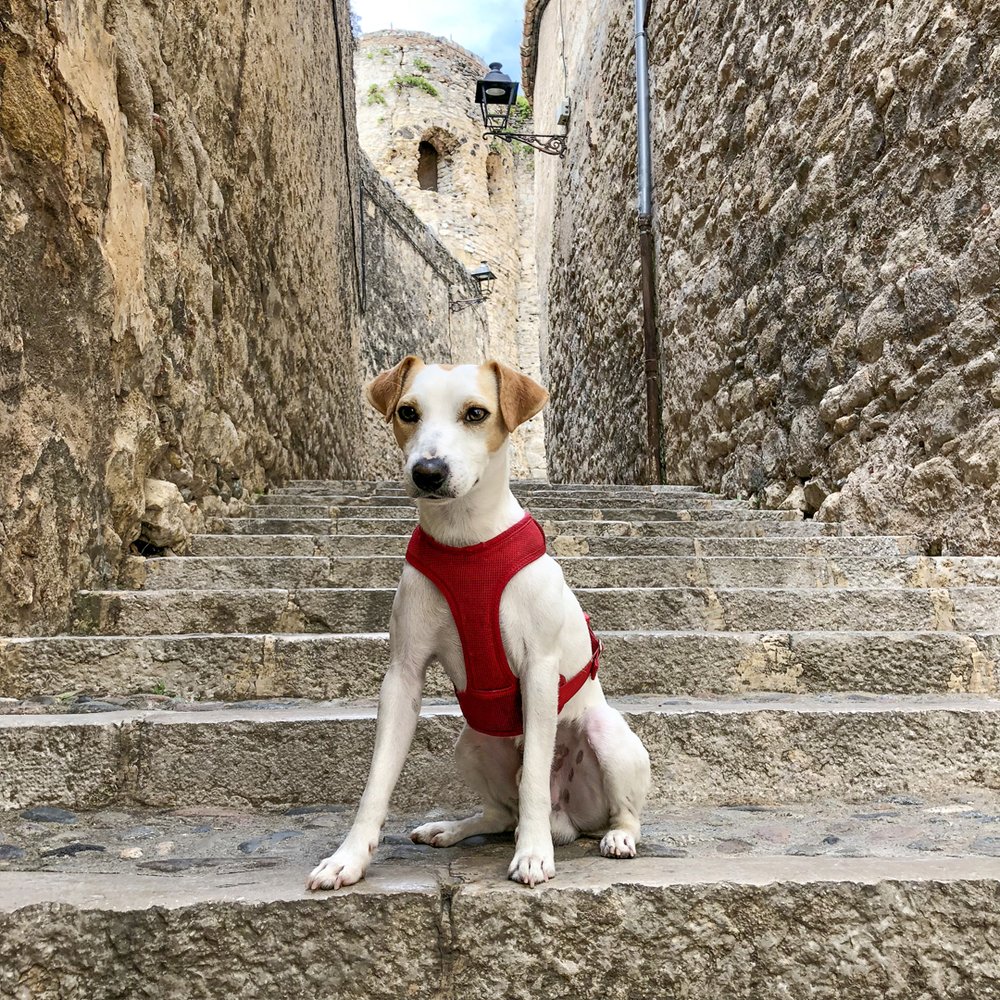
(384, 390)
(520, 397)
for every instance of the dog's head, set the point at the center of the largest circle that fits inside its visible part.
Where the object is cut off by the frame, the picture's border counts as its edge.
(451, 420)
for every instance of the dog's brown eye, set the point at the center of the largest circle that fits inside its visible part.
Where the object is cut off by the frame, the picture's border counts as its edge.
(408, 414)
(476, 415)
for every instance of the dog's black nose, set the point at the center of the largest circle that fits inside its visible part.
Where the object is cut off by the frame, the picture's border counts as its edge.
(429, 474)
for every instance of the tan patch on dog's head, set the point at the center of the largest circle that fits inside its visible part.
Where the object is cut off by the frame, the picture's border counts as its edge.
(386, 389)
(518, 397)
(496, 429)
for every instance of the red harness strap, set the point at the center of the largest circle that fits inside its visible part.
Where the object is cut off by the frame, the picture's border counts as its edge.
(472, 580)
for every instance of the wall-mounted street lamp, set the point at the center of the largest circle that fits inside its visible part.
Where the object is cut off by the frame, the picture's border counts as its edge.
(495, 95)
(484, 278)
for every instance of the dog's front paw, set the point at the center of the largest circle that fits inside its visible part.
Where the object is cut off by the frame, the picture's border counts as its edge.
(618, 844)
(340, 869)
(532, 866)
(438, 834)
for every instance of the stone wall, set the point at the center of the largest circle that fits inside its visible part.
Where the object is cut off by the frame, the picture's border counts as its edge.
(414, 88)
(178, 275)
(409, 278)
(586, 235)
(826, 196)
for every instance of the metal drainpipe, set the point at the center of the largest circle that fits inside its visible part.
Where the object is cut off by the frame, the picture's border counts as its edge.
(651, 339)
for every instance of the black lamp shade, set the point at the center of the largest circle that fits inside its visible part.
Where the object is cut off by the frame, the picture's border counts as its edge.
(495, 95)
(484, 277)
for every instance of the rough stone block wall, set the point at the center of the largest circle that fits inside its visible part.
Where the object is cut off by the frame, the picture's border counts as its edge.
(827, 188)
(178, 274)
(586, 236)
(413, 89)
(409, 280)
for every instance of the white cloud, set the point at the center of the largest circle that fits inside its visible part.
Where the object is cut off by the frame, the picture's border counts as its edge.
(492, 31)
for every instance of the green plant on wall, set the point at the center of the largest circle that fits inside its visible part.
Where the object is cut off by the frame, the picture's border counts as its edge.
(520, 121)
(422, 64)
(375, 94)
(415, 81)
(520, 115)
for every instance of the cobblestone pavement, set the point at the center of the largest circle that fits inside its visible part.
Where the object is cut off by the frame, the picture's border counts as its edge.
(46, 838)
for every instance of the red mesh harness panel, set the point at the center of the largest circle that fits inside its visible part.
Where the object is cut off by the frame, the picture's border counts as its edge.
(472, 580)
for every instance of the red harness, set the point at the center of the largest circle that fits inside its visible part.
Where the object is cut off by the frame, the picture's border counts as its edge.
(472, 580)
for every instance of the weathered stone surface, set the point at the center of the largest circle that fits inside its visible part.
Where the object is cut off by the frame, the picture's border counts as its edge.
(349, 949)
(167, 521)
(237, 841)
(236, 667)
(178, 272)
(827, 255)
(652, 927)
(566, 545)
(744, 527)
(792, 927)
(169, 612)
(290, 572)
(756, 750)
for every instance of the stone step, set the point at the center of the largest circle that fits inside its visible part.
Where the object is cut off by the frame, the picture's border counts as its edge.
(166, 842)
(166, 612)
(753, 750)
(290, 572)
(194, 892)
(537, 498)
(517, 485)
(555, 513)
(829, 546)
(705, 928)
(727, 528)
(562, 494)
(230, 667)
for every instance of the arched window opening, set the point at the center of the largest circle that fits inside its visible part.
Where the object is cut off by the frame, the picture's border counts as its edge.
(494, 173)
(427, 167)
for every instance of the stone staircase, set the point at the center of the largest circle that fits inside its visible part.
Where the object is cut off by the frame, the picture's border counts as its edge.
(819, 708)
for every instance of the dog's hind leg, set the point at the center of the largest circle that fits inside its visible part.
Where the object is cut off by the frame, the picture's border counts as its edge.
(624, 765)
(489, 766)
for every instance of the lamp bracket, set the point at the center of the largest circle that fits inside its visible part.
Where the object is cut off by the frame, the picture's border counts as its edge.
(459, 304)
(554, 145)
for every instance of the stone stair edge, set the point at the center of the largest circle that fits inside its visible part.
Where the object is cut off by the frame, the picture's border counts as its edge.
(648, 706)
(91, 891)
(239, 666)
(434, 937)
(367, 537)
(589, 528)
(353, 609)
(744, 750)
(703, 635)
(687, 635)
(582, 590)
(975, 560)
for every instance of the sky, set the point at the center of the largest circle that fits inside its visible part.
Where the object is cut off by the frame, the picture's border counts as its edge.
(492, 30)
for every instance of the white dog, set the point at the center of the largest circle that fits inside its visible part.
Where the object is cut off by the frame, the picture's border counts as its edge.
(578, 771)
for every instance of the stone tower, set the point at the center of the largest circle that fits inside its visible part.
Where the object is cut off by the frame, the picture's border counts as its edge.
(419, 126)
